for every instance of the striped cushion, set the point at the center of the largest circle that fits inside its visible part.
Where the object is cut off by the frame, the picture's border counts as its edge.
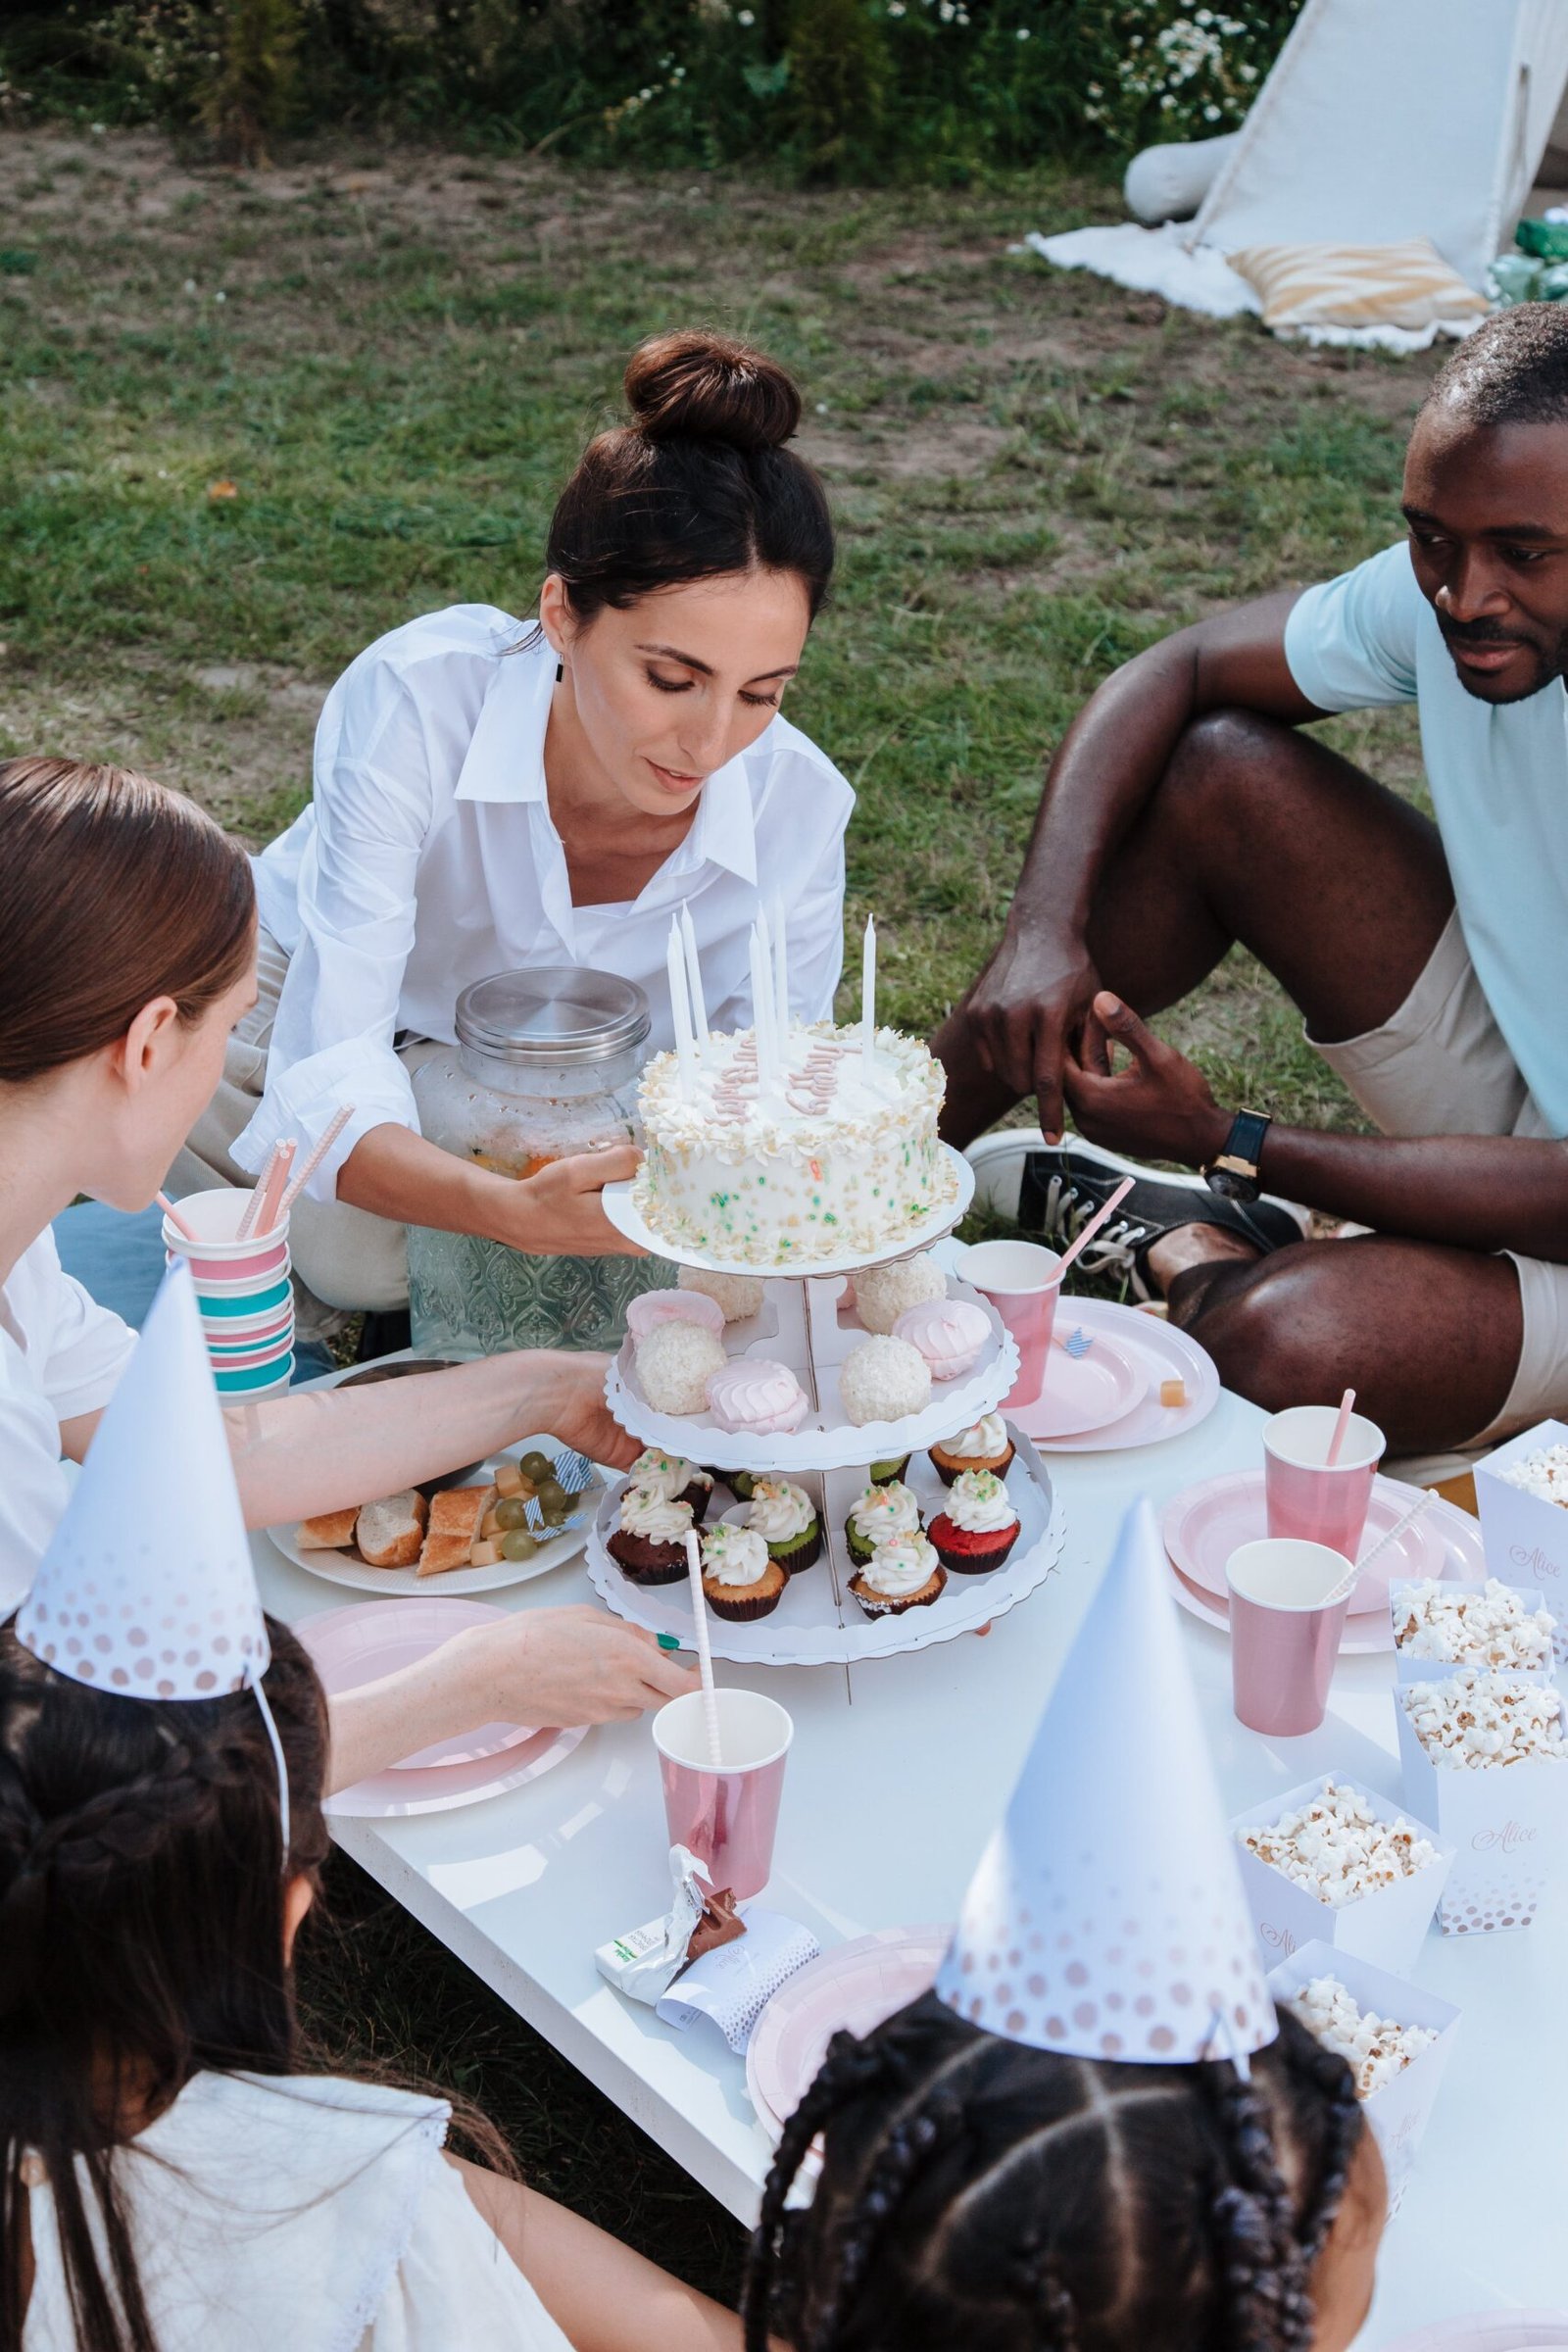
(1407, 286)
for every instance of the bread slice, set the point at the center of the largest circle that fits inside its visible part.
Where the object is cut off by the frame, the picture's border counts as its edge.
(389, 1532)
(328, 1531)
(457, 1514)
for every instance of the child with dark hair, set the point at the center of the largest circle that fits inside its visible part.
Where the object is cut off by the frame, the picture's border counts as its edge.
(1095, 2135)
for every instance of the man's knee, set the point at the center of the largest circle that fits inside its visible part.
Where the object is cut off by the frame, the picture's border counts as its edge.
(1260, 1325)
(1221, 756)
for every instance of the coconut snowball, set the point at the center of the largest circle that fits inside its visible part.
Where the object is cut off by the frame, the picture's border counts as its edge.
(882, 1293)
(738, 1297)
(675, 1363)
(883, 1380)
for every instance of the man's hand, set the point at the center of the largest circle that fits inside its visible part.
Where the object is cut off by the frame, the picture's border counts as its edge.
(572, 1407)
(563, 1666)
(559, 1213)
(1158, 1107)
(1024, 1013)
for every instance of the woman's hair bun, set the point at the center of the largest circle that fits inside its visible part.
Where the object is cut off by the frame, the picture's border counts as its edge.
(703, 387)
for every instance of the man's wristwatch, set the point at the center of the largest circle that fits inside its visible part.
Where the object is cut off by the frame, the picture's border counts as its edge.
(1233, 1174)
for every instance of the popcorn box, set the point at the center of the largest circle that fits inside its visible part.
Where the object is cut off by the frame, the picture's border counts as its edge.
(1397, 2112)
(1504, 1823)
(1386, 1927)
(1526, 1537)
(1409, 1669)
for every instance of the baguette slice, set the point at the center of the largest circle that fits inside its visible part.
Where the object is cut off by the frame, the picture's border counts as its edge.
(457, 1514)
(389, 1532)
(328, 1531)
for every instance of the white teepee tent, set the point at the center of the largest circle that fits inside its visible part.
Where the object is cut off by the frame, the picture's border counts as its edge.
(1381, 120)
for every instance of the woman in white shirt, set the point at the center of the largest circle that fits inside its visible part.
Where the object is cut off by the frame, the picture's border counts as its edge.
(489, 797)
(171, 2177)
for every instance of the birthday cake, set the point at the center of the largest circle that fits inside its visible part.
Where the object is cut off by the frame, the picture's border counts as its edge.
(827, 1153)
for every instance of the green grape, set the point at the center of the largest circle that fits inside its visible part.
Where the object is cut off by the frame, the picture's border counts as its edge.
(537, 1467)
(512, 1511)
(551, 1491)
(517, 1544)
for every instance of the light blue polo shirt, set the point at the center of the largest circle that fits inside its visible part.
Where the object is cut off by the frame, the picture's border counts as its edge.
(1499, 778)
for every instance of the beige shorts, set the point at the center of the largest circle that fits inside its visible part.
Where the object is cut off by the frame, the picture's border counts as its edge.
(1441, 1068)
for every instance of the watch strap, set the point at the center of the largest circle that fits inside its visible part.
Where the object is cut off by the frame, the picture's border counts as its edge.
(1233, 1172)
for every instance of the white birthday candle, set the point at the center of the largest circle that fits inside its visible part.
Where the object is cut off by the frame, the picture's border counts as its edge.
(681, 1011)
(694, 976)
(760, 982)
(781, 984)
(868, 995)
(764, 936)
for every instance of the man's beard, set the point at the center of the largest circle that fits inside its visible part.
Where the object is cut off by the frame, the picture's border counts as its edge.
(1548, 662)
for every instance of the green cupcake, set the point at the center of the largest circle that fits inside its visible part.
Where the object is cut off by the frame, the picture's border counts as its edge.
(884, 1473)
(785, 1517)
(879, 1514)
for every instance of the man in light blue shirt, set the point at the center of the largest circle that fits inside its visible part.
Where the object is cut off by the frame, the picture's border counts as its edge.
(1185, 811)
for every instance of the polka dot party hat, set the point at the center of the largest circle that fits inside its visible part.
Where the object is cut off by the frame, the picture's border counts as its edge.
(147, 1586)
(1108, 1919)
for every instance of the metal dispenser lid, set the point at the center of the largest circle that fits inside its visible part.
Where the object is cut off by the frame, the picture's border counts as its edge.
(556, 1014)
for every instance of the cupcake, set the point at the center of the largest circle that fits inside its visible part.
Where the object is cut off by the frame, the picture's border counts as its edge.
(741, 1483)
(676, 1477)
(650, 1544)
(740, 1580)
(985, 1447)
(882, 1474)
(883, 1380)
(905, 1574)
(650, 1309)
(979, 1526)
(879, 1515)
(785, 1518)
(950, 1334)
(882, 1293)
(737, 1296)
(748, 1393)
(674, 1365)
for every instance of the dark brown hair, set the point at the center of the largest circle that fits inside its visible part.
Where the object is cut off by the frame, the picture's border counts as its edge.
(113, 891)
(698, 485)
(979, 2195)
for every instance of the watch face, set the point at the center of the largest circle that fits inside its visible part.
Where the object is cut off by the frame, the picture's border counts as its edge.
(1232, 1187)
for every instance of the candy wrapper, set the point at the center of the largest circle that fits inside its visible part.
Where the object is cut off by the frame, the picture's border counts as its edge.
(644, 1962)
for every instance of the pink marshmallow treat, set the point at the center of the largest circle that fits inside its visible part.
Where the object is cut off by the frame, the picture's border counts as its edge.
(754, 1395)
(948, 1332)
(653, 1307)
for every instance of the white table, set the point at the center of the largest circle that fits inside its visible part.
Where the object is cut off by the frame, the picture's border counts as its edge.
(889, 1800)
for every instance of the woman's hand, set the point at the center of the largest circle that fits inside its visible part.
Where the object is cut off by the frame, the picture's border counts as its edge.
(1158, 1107)
(568, 1402)
(562, 1666)
(559, 1213)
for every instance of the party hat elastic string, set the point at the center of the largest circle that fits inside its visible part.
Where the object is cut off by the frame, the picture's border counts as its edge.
(284, 1820)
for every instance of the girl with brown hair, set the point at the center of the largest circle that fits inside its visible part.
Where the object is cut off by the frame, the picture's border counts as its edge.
(490, 797)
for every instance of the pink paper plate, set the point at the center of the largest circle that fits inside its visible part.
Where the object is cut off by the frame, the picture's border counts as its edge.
(1084, 1392)
(1204, 1524)
(1168, 1352)
(852, 1988)
(1490, 2332)
(360, 1644)
(1362, 1637)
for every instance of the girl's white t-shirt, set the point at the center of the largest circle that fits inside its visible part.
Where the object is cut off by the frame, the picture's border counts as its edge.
(61, 1355)
(315, 2214)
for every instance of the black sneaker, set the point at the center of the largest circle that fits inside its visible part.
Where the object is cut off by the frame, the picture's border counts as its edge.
(1060, 1190)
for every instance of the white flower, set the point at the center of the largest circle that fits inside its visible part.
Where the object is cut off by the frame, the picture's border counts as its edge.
(1023, 36)
(220, 296)
(945, 11)
(821, 407)
(1211, 114)
(644, 96)
(745, 16)
(895, 8)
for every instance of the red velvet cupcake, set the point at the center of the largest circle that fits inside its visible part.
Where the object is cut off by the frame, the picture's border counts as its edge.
(979, 1526)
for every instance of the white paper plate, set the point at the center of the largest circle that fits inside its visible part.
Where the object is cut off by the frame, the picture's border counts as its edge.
(624, 1214)
(809, 1628)
(824, 1441)
(397, 1794)
(853, 1988)
(347, 1568)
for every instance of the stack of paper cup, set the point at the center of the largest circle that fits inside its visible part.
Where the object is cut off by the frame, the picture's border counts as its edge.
(242, 1289)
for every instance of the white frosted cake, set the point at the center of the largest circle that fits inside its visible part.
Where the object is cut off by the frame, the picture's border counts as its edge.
(837, 1159)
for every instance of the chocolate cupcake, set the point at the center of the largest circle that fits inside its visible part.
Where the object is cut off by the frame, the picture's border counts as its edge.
(682, 1481)
(979, 1526)
(879, 1515)
(985, 1447)
(784, 1516)
(905, 1574)
(649, 1546)
(740, 1582)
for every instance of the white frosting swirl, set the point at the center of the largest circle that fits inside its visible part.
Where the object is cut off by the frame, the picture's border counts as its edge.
(882, 1513)
(735, 1555)
(987, 1438)
(900, 1567)
(649, 1513)
(978, 1501)
(780, 1510)
(670, 1473)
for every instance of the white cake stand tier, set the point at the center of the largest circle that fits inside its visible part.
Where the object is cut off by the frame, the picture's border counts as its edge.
(627, 1219)
(819, 1622)
(799, 1325)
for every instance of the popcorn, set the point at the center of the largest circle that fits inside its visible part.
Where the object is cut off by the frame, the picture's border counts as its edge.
(1459, 1626)
(1477, 1719)
(1375, 2047)
(1338, 1849)
(1544, 1474)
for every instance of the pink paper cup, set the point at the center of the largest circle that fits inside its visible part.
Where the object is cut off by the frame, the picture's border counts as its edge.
(1305, 1498)
(726, 1816)
(216, 1251)
(1023, 1283)
(1284, 1639)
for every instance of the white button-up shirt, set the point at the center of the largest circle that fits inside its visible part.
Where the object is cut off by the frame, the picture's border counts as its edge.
(428, 858)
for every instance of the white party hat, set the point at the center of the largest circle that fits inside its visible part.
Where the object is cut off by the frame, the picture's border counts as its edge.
(147, 1585)
(1107, 1917)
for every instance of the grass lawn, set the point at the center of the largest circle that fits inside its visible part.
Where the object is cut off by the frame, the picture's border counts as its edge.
(248, 423)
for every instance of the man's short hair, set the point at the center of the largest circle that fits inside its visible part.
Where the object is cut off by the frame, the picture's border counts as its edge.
(1512, 370)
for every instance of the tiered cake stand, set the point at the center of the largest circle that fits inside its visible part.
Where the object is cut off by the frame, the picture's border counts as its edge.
(806, 1322)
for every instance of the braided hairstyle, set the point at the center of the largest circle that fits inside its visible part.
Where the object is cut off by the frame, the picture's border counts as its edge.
(141, 1937)
(979, 2195)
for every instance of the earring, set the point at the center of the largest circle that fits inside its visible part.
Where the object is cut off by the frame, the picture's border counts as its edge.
(561, 671)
